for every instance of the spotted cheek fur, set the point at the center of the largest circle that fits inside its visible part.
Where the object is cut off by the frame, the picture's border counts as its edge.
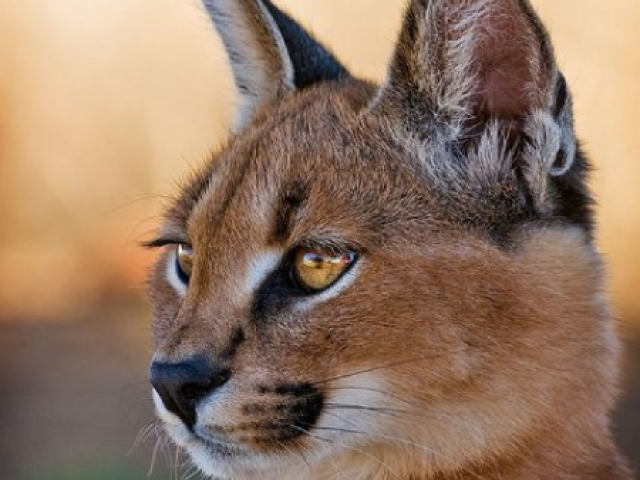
(276, 417)
(286, 413)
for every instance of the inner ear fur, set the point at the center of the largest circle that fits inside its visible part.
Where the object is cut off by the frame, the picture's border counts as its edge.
(461, 60)
(473, 88)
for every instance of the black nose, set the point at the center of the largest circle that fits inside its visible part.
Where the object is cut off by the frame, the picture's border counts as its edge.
(182, 385)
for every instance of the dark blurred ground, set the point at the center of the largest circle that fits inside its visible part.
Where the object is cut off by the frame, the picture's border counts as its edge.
(75, 396)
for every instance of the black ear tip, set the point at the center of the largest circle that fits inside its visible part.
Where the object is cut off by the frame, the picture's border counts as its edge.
(312, 62)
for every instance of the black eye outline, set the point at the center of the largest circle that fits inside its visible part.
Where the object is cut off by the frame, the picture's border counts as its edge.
(297, 282)
(183, 275)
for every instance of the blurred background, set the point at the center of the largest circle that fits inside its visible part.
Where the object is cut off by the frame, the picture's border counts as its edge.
(105, 104)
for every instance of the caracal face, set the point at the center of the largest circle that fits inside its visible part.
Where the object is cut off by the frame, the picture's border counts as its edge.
(386, 282)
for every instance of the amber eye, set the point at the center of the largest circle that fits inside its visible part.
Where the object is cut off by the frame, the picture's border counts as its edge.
(315, 270)
(184, 261)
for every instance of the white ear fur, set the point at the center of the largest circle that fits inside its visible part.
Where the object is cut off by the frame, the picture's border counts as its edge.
(260, 64)
(464, 59)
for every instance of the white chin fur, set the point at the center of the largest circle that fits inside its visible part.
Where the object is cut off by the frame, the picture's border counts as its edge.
(364, 390)
(217, 469)
(172, 424)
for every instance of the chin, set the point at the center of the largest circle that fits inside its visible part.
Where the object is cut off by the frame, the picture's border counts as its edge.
(218, 462)
(223, 462)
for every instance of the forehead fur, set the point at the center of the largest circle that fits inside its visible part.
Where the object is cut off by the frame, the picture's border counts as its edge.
(324, 143)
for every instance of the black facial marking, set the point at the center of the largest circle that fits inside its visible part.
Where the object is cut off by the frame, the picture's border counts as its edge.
(275, 294)
(298, 408)
(305, 415)
(281, 287)
(295, 389)
(289, 203)
(237, 338)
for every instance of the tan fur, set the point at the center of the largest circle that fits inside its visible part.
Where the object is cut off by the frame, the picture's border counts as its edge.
(452, 351)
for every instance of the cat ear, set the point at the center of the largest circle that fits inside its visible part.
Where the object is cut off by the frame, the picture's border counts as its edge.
(473, 88)
(270, 54)
(462, 61)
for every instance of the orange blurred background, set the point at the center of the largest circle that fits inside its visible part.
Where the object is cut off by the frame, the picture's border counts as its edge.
(105, 104)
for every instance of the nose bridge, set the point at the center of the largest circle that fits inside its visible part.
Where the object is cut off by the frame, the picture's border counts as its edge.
(206, 325)
(218, 281)
(218, 296)
(228, 237)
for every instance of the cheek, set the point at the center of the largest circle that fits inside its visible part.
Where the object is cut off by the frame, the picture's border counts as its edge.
(404, 329)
